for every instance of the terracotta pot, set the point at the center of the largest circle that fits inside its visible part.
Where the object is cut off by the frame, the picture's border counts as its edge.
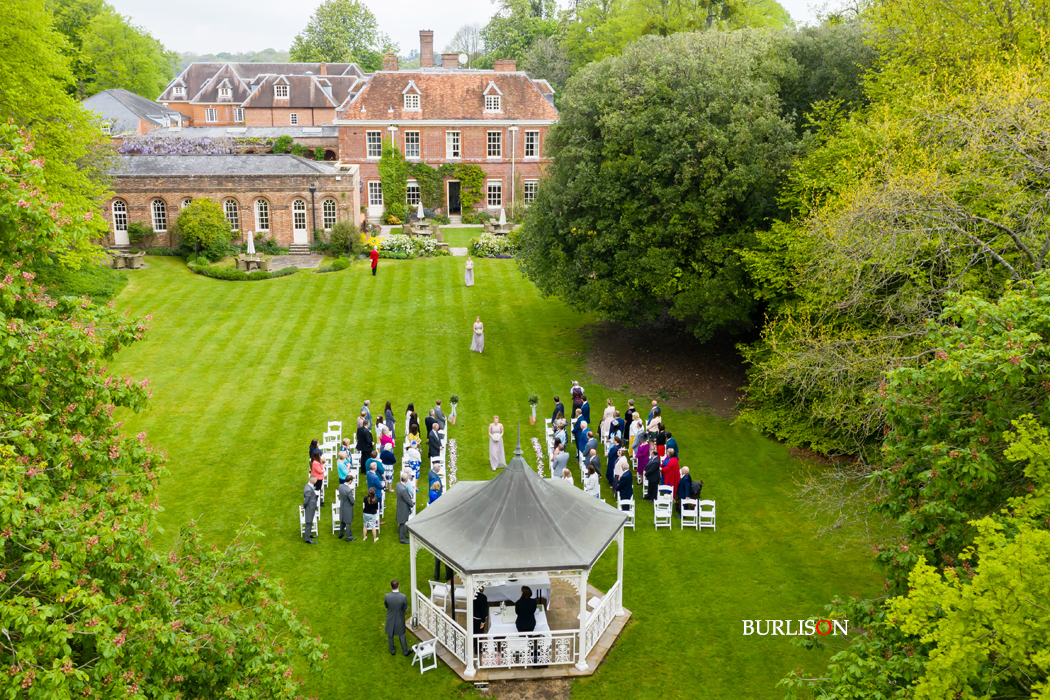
(532, 420)
(452, 419)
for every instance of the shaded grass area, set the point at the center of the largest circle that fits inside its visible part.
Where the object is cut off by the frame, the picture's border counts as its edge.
(244, 375)
(96, 281)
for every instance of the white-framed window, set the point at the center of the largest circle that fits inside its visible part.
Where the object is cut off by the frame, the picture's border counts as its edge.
(107, 128)
(530, 190)
(495, 198)
(160, 215)
(532, 144)
(452, 145)
(299, 215)
(238, 114)
(225, 92)
(280, 91)
(185, 203)
(293, 118)
(493, 103)
(412, 144)
(232, 213)
(120, 215)
(328, 216)
(178, 91)
(374, 144)
(262, 215)
(495, 144)
(211, 114)
(412, 100)
(375, 193)
(412, 193)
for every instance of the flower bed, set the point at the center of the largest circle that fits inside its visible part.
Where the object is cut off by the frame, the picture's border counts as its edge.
(488, 246)
(409, 247)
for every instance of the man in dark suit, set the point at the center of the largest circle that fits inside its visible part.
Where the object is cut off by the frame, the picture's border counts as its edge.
(594, 461)
(439, 414)
(364, 443)
(625, 486)
(396, 604)
(652, 412)
(481, 611)
(430, 421)
(346, 508)
(310, 505)
(652, 475)
(558, 408)
(433, 442)
(685, 490)
(405, 502)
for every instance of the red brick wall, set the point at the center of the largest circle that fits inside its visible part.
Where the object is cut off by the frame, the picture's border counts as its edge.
(278, 190)
(255, 116)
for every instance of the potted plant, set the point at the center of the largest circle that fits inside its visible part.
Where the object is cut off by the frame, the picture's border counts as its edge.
(452, 415)
(533, 400)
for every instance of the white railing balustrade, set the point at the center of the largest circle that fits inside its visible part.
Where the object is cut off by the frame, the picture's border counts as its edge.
(526, 649)
(601, 617)
(434, 620)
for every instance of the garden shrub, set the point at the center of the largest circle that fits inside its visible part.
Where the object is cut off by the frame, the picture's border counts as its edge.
(220, 273)
(258, 275)
(468, 216)
(393, 255)
(341, 236)
(285, 271)
(297, 149)
(95, 281)
(163, 251)
(202, 223)
(411, 247)
(283, 144)
(268, 246)
(319, 154)
(140, 234)
(341, 264)
(488, 246)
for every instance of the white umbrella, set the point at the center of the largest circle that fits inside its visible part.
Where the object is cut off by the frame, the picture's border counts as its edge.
(419, 210)
(502, 218)
(251, 244)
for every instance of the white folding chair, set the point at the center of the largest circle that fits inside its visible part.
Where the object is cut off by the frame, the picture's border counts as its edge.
(662, 514)
(665, 493)
(314, 524)
(705, 517)
(423, 651)
(335, 516)
(689, 514)
(627, 506)
(336, 426)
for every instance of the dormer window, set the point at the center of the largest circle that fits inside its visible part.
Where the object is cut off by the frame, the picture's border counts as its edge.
(493, 103)
(225, 92)
(179, 91)
(280, 91)
(411, 100)
(107, 128)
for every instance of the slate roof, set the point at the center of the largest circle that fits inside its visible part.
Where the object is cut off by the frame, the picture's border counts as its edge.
(123, 110)
(517, 522)
(303, 90)
(233, 164)
(202, 80)
(450, 94)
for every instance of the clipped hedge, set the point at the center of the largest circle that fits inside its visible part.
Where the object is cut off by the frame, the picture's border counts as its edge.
(232, 274)
(162, 250)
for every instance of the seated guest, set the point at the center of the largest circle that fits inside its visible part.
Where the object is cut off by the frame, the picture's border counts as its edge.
(592, 483)
(560, 460)
(652, 478)
(435, 490)
(371, 510)
(625, 487)
(345, 466)
(671, 472)
(566, 476)
(685, 490)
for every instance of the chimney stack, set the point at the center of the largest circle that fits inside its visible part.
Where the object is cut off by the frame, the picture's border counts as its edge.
(426, 48)
(450, 60)
(324, 68)
(505, 65)
(390, 61)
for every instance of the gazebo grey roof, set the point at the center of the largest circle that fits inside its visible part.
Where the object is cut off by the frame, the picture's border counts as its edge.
(517, 522)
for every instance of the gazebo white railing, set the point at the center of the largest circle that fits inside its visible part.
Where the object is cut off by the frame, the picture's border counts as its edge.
(558, 647)
(601, 617)
(446, 630)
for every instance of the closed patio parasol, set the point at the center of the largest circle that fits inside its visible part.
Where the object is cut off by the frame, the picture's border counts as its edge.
(251, 244)
(502, 217)
(419, 210)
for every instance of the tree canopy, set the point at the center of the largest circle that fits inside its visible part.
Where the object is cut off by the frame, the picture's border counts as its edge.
(342, 31)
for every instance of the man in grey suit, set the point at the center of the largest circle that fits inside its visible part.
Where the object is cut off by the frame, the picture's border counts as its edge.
(396, 606)
(559, 461)
(440, 415)
(346, 508)
(592, 444)
(310, 505)
(405, 502)
(593, 461)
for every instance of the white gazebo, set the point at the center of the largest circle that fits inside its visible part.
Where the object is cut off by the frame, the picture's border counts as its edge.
(517, 529)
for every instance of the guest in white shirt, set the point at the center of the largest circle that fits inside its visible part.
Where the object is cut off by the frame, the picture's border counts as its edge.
(566, 476)
(592, 483)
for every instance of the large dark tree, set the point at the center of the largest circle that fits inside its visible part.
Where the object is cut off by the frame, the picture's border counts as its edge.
(666, 158)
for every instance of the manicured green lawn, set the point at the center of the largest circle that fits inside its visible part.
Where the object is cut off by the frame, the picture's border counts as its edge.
(245, 374)
(460, 236)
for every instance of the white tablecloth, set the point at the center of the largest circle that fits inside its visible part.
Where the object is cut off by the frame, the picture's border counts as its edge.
(510, 591)
(498, 626)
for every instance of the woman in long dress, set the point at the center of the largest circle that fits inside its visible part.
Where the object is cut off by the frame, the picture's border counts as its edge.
(607, 419)
(469, 276)
(496, 453)
(479, 336)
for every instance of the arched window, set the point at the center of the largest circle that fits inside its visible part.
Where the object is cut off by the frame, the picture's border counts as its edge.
(185, 203)
(299, 215)
(120, 215)
(160, 215)
(262, 215)
(233, 218)
(328, 213)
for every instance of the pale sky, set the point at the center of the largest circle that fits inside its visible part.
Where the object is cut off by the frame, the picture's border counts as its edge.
(212, 26)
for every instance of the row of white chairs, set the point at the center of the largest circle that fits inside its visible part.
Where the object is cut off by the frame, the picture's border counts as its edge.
(695, 514)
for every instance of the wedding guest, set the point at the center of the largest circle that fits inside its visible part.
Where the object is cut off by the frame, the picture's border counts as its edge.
(672, 473)
(560, 460)
(387, 460)
(310, 506)
(610, 462)
(317, 472)
(652, 477)
(577, 396)
(345, 466)
(592, 483)
(654, 423)
(642, 457)
(364, 443)
(661, 440)
(408, 413)
(435, 491)
(623, 465)
(388, 417)
(672, 444)
(685, 490)
(637, 428)
(654, 411)
(440, 415)
(497, 455)
(430, 421)
(559, 410)
(384, 436)
(396, 602)
(346, 509)
(585, 408)
(374, 481)
(371, 513)
(607, 418)
(373, 462)
(468, 275)
(625, 488)
(566, 476)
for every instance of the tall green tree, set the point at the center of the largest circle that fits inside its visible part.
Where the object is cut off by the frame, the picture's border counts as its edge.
(342, 31)
(516, 25)
(665, 160)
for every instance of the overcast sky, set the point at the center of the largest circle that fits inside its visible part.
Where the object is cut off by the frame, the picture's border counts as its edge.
(212, 26)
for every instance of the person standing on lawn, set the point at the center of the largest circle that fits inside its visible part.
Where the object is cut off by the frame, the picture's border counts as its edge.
(374, 255)
(310, 506)
(365, 444)
(346, 509)
(396, 604)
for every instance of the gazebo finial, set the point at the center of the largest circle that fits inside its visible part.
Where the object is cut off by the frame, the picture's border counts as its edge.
(517, 450)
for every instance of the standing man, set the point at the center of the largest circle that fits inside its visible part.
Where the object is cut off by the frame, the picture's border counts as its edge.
(654, 410)
(592, 444)
(364, 444)
(310, 506)
(366, 411)
(374, 255)
(481, 611)
(434, 441)
(396, 604)
(672, 444)
(346, 508)
(405, 503)
(440, 415)
(559, 461)
(430, 421)
(594, 461)
(374, 481)
(559, 407)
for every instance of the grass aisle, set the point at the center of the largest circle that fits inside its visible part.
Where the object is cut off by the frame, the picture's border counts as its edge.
(244, 375)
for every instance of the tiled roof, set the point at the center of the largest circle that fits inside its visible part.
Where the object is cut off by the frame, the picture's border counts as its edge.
(303, 90)
(235, 164)
(202, 80)
(123, 109)
(449, 94)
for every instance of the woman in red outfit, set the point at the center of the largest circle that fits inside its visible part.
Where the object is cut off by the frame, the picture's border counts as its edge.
(671, 473)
